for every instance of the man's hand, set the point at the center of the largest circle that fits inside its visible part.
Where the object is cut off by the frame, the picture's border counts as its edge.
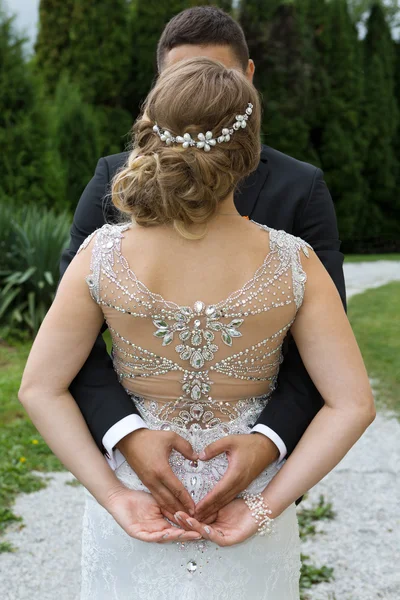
(140, 517)
(248, 455)
(147, 452)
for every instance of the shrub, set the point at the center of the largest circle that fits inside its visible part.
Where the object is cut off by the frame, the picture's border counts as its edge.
(31, 244)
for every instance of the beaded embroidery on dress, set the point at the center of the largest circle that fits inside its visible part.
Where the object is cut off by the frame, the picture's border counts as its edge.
(203, 371)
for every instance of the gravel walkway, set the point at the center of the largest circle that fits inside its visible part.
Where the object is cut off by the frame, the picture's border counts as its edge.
(362, 543)
(363, 276)
(47, 563)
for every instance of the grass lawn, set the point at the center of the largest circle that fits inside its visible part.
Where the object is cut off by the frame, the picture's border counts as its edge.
(12, 362)
(370, 257)
(22, 449)
(375, 318)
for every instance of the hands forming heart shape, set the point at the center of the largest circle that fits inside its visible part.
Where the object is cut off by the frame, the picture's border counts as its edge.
(220, 516)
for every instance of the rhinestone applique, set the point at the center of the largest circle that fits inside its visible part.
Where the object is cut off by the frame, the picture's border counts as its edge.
(198, 333)
(196, 385)
(194, 353)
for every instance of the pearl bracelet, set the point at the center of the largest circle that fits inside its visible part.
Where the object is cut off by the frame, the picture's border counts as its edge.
(260, 511)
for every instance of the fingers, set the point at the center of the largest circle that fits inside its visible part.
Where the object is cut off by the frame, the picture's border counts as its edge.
(223, 493)
(182, 498)
(184, 447)
(213, 504)
(169, 516)
(175, 495)
(184, 520)
(215, 535)
(207, 531)
(192, 523)
(165, 499)
(210, 519)
(169, 492)
(189, 536)
(174, 519)
(184, 525)
(212, 450)
(179, 535)
(166, 535)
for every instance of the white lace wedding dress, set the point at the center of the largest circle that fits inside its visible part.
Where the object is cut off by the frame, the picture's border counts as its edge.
(204, 371)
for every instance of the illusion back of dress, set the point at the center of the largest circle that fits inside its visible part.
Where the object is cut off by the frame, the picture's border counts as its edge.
(203, 371)
(202, 365)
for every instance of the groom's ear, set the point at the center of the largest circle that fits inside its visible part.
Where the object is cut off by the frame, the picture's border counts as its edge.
(251, 67)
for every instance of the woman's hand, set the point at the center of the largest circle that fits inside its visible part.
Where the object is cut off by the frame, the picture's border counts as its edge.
(140, 517)
(234, 523)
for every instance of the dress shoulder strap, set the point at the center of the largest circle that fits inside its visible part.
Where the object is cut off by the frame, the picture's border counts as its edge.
(107, 243)
(289, 247)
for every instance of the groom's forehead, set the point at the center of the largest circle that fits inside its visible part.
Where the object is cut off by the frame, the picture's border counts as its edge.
(223, 53)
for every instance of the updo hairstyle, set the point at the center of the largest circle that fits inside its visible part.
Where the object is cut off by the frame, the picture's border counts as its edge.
(161, 184)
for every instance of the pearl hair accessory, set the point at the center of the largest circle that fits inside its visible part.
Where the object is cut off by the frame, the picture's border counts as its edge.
(204, 141)
(260, 511)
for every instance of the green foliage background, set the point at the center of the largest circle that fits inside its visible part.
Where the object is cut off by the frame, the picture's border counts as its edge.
(330, 98)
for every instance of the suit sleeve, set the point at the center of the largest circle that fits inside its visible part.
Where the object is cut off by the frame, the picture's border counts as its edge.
(96, 389)
(295, 401)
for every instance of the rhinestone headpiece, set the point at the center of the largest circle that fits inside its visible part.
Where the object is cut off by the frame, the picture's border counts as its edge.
(204, 140)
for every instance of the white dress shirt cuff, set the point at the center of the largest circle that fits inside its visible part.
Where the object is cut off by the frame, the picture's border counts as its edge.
(274, 437)
(118, 431)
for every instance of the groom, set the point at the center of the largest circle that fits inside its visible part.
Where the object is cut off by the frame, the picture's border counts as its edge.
(283, 193)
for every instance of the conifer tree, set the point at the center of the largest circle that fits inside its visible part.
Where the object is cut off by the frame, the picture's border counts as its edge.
(341, 146)
(277, 43)
(77, 136)
(115, 126)
(396, 144)
(89, 39)
(90, 42)
(226, 5)
(148, 22)
(28, 161)
(99, 51)
(254, 17)
(53, 40)
(381, 113)
(316, 18)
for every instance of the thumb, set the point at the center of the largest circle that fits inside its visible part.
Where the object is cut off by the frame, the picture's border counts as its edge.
(184, 447)
(214, 449)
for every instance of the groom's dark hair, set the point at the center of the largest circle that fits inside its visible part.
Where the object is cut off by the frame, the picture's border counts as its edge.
(203, 26)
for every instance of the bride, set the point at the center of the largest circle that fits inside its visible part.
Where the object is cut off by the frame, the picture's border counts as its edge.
(198, 303)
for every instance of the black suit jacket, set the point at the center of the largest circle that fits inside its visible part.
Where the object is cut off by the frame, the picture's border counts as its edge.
(282, 193)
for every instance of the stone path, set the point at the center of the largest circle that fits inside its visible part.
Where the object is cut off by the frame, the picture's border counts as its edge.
(47, 563)
(367, 275)
(362, 543)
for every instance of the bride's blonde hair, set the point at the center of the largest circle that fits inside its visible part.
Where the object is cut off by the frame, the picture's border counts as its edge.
(163, 184)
